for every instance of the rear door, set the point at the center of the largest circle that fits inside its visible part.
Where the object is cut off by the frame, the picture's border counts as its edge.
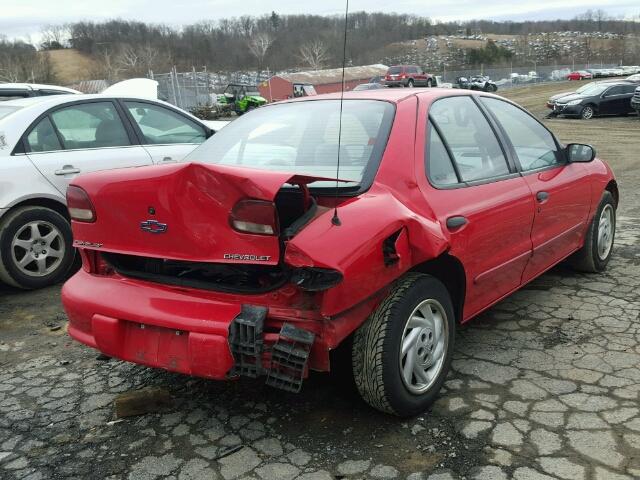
(561, 190)
(166, 134)
(481, 200)
(79, 138)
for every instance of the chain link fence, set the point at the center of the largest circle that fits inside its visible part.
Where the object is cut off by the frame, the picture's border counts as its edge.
(197, 89)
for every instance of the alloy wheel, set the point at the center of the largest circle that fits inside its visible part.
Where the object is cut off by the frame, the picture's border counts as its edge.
(38, 248)
(606, 230)
(424, 344)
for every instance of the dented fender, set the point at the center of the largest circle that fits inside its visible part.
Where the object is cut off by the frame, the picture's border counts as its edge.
(409, 239)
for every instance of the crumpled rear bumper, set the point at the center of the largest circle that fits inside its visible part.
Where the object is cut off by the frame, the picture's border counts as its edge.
(160, 328)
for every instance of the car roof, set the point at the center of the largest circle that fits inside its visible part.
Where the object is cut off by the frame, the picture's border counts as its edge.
(393, 95)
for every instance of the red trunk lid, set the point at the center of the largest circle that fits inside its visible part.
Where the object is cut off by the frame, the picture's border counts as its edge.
(179, 212)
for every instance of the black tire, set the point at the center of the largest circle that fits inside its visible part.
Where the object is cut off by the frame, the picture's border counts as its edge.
(377, 347)
(588, 258)
(429, 83)
(587, 112)
(16, 221)
(410, 83)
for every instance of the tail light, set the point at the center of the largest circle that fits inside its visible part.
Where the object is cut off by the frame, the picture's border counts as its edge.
(254, 216)
(93, 262)
(79, 205)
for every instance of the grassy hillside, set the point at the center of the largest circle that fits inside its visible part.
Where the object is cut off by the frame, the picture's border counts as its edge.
(70, 66)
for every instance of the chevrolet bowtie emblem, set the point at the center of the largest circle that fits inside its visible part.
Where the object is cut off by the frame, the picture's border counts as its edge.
(153, 226)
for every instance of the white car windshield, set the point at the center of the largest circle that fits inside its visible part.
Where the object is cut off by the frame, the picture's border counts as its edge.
(302, 138)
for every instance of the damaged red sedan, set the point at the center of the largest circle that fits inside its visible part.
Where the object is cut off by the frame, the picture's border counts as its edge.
(252, 259)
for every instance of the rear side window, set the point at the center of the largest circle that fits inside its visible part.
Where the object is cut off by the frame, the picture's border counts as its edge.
(160, 125)
(438, 163)
(629, 89)
(534, 144)
(471, 140)
(90, 125)
(412, 69)
(43, 137)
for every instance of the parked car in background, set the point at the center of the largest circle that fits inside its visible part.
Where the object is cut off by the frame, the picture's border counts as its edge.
(236, 263)
(477, 82)
(633, 78)
(635, 100)
(12, 91)
(368, 86)
(601, 98)
(580, 75)
(408, 76)
(45, 142)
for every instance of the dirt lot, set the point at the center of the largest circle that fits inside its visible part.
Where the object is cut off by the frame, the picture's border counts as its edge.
(545, 385)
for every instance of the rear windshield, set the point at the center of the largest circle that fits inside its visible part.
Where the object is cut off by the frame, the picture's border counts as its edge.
(302, 138)
(394, 70)
(6, 110)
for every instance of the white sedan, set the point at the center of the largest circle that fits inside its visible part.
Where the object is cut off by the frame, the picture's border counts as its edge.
(46, 141)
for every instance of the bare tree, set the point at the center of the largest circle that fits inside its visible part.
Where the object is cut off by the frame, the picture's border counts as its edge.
(314, 54)
(128, 59)
(54, 36)
(259, 45)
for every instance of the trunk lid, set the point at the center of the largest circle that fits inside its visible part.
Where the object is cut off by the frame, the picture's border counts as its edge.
(180, 212)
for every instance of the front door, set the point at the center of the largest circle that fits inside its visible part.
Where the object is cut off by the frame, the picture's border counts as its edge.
(561, 190)
(485, 206)
(168, 136)
(82, 138)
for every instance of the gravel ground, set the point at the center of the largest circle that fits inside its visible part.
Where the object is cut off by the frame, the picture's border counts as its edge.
(544, 385)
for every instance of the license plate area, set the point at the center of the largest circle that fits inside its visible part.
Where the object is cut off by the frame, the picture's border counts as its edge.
(158, 346)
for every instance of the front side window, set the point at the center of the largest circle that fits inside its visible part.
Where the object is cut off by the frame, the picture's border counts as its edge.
(161, 126)
(43, 137)
(302, 138)
(618, 90)
(90, 125)
(471, 141)
(534, 144)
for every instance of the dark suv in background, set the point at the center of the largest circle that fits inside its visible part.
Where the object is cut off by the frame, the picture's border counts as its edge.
(600, 98)
(408, 76)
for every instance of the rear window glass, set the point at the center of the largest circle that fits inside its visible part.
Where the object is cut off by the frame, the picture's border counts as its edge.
(394, 70)
(471, 140)
(302, 138)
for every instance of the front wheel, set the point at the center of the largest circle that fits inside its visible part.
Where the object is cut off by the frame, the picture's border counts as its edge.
(35, 248)
(587, 112)
(598, 243)
(402, 353)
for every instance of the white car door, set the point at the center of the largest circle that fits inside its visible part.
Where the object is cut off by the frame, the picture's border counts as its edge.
(80, 138)
(167, 134)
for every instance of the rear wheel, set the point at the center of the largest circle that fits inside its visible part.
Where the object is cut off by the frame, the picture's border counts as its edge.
(598, 243)
(587, 112)
(410, 83)
(402, 354)
(35, 248)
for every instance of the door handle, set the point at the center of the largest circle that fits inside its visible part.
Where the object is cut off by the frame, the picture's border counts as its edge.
(542, 196)
(456, 222)
(67, 170)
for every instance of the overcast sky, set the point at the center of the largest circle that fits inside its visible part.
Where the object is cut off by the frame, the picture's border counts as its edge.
(26, 17)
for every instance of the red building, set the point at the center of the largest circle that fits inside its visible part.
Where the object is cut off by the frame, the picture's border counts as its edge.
(280, 87)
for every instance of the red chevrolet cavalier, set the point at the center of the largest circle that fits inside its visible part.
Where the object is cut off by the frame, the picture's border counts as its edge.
(236, 263)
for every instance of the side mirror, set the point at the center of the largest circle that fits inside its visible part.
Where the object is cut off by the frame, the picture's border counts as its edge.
(578, 152)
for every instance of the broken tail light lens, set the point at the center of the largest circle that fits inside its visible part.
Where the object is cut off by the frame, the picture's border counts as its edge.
(79, 205)
(254, 216)
(315, 279)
